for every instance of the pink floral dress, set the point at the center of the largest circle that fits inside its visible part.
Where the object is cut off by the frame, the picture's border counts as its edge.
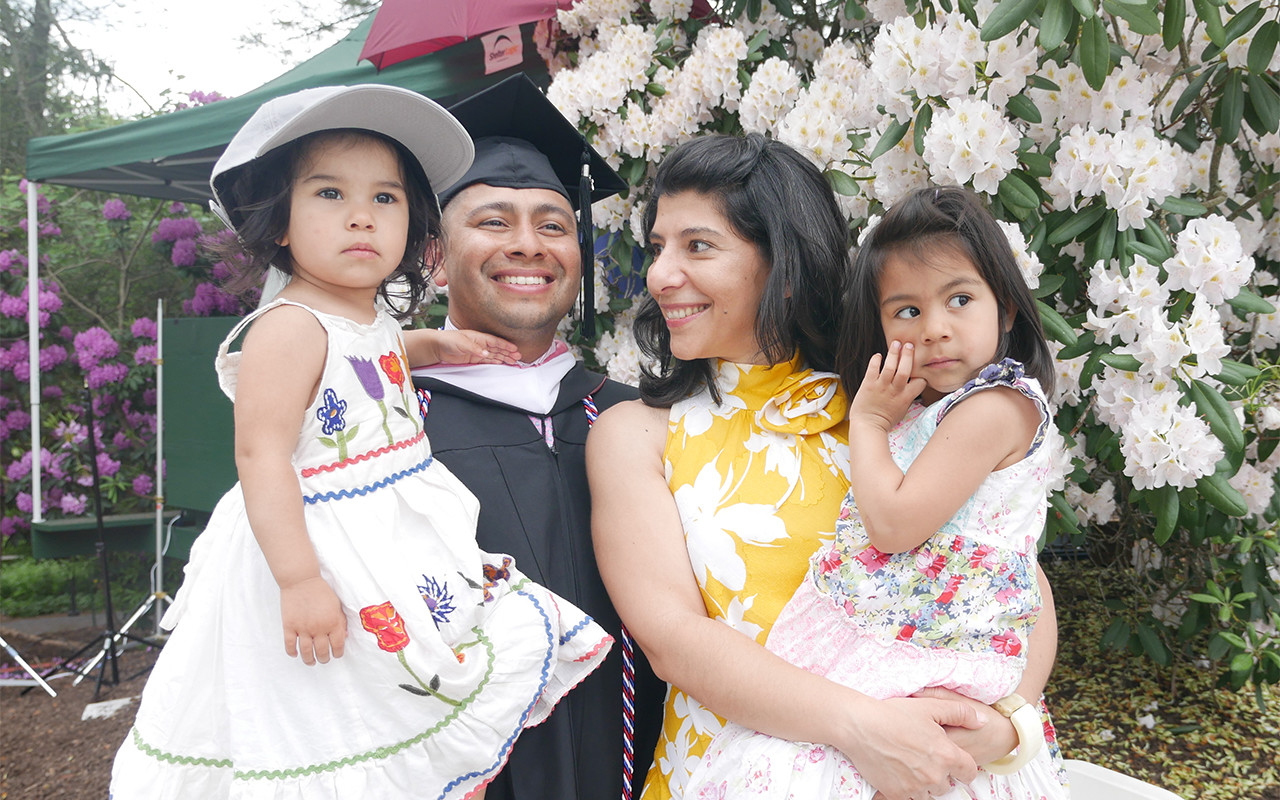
(450, 651)
(955, 612)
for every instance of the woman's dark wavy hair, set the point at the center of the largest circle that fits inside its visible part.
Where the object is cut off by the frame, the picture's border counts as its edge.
(257, 197)
(916, 228)
(777, 199)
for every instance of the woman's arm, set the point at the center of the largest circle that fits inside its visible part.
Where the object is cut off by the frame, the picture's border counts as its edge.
(280, 365)
(898, 745)
(997, 737)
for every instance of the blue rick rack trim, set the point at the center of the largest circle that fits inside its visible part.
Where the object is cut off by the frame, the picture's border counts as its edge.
(346, 494)
(575, 630)
(524, 717)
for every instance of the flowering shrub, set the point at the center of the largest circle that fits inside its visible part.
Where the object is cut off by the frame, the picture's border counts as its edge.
(95, 337)
(1130, 149)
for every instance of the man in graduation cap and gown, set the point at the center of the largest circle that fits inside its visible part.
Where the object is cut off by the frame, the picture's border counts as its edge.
(513, 264)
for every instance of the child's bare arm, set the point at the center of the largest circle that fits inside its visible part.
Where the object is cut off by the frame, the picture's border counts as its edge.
(977, 436)
(427, 346)
(281, 362)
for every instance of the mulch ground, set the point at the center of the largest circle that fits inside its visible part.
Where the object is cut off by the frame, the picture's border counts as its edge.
(47, 752)
(1171, 728)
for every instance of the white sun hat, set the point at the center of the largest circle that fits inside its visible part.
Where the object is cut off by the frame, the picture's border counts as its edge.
(439, 142)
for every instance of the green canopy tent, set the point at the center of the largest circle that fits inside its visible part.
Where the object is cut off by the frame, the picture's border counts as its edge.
(171, 156)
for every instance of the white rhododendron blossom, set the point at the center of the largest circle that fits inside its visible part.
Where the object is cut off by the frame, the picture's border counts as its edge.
(586, 16)
(1166, 444)
(773, 91)
(1123, 304)
(1209, 260)
(618, 349)
(1132, 171)
(817, 125)
(971, 142)
(1094, 508)
(1028, 263)
(1256, 486)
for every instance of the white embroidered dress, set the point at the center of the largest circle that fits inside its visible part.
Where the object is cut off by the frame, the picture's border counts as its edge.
(450, 651)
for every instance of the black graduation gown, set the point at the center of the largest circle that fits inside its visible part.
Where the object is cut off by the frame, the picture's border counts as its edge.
(535, 506)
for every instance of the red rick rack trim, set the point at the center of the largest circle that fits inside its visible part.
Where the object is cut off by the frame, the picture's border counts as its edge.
(337, 465)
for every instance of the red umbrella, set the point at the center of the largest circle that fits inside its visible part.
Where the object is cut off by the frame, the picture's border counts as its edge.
(404, 29)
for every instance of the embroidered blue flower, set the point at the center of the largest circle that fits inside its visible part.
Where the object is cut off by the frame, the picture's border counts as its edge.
(436, 596)
(330, 414)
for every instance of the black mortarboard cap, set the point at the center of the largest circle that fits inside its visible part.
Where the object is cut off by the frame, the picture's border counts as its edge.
(523, 142)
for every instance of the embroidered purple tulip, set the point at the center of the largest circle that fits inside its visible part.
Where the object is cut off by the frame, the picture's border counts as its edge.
(371, 381)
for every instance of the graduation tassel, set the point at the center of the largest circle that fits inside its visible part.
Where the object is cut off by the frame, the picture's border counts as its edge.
(587, 244)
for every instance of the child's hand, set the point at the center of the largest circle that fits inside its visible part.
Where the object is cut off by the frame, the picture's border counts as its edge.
(314, 625)
(473, 347)
(886, 394)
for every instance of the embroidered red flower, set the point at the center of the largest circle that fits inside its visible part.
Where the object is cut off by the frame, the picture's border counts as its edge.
(390, 364)
(907, 631)
(386, 623)
(1050, 734)
(1007, 643)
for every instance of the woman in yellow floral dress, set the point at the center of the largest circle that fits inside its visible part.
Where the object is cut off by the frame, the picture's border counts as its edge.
(711, 493)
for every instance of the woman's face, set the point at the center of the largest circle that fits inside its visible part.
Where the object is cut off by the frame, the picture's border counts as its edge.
(707, 280)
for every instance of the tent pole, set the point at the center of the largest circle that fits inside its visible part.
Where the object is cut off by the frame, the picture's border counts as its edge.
(33, 333)
(158, 588)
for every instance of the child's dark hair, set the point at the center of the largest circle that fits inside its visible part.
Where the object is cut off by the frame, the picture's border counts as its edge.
(915, 227)
(257, 199)
(777, 199)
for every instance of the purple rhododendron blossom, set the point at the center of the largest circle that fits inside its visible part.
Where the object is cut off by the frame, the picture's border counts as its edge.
(52, 356)
(51, 392)
(17, 420)
(210, 300)
(22, 224)
(49, 299)
(4, 431)
(107, 466)
(184, 253)
(148, 398)
(115, 209)
(22, 371)
(143, 328)
(143, 485)
(9, 525)
(173, 229)
(204, 98)
(73, 504)
(121, 441)
(53, 465)
(19, 469)
(221, 271)
(13, 307)
(23, 502)
(50, 229)
(145, 354)
(177, 208)
(93, 345)
(104, 374)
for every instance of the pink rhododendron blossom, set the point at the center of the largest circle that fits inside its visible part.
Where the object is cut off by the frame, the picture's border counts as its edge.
(73, 504)
(142, 485)
(173, 229)
(93, 345)
(184, 253)
(115, 209)
(143, 328)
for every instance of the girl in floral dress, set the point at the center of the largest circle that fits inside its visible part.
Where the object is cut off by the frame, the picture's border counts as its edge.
(931, 580)
(339, 634)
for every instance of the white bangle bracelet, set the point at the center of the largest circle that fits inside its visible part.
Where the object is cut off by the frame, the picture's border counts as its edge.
(1026, 721)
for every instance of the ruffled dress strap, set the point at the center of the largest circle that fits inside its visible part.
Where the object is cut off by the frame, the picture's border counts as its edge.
(227, 363)
(1010, 374)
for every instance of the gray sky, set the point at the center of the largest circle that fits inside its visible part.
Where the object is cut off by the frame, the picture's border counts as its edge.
(187, 46)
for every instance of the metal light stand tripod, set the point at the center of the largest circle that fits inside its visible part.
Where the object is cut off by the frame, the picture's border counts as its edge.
(36, 679)
(110, 639)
